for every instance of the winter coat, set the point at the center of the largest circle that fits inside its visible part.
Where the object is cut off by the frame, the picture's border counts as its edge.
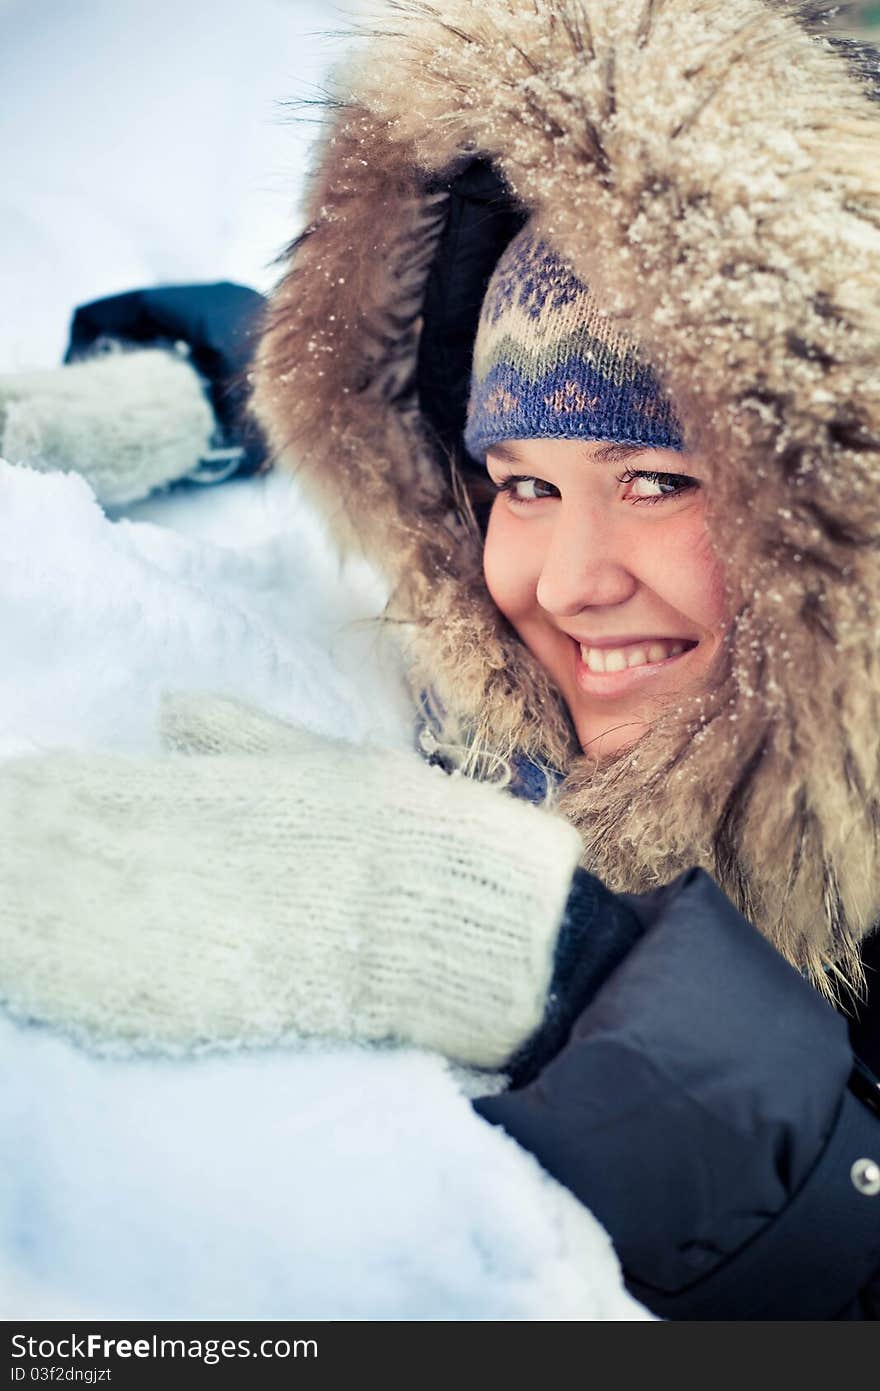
(709, 168)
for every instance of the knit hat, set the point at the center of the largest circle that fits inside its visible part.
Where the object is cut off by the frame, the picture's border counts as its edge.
(547, 363)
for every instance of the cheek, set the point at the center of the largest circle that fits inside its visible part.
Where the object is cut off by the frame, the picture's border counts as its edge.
(708, 585)
(510, 565)
(685, 571)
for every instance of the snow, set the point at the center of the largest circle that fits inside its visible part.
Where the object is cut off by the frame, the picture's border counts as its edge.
(306, 1183)
(146, 142)
(344, 1185)
(97, 616)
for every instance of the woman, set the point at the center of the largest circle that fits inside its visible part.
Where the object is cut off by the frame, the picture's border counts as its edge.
(702, 168)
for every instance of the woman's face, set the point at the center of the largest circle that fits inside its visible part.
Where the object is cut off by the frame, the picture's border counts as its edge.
(599, 557)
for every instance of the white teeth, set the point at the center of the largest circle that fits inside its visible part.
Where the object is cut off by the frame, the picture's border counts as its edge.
(638, 656)
(619, 658)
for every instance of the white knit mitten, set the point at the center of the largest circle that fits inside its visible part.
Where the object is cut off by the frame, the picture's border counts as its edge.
(303, 887)
(129, 422)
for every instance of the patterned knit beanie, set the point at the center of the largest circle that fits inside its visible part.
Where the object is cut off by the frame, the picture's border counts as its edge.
(547, 364)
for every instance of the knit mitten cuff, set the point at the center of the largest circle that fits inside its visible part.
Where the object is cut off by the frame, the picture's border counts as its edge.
(598, 930)
(486, 879)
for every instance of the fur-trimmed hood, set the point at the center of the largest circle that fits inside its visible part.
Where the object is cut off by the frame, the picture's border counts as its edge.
(710, 168)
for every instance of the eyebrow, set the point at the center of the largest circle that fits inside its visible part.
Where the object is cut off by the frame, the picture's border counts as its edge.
(607, 453)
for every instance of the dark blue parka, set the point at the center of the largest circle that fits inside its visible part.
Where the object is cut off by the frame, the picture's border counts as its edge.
(689, 1085)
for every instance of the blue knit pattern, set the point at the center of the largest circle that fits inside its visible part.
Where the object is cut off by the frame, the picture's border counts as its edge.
(548, 364)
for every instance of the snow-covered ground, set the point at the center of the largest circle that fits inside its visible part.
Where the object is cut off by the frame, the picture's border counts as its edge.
(143, 142)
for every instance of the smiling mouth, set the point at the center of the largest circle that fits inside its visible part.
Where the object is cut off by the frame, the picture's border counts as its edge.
(626, 666)
(634, 654)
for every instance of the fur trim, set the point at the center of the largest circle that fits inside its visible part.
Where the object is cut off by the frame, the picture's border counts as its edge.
(728, 216)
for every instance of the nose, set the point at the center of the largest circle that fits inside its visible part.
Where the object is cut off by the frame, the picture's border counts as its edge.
(586, 564)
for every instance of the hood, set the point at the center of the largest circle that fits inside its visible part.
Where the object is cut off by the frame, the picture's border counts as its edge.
(709, 168)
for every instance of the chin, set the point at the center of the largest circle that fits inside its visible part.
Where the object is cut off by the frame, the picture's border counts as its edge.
(608, 738)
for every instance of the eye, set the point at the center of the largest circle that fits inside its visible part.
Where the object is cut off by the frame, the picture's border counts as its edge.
(523, 488)
(646, 485)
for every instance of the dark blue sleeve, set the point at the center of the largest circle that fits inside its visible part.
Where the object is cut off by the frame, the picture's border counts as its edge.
(703, 1105)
